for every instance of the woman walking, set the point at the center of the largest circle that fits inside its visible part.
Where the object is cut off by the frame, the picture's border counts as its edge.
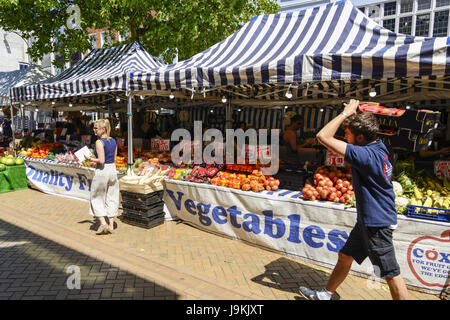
(105, 185)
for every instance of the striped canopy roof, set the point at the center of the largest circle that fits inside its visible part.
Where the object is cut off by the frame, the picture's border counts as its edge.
(327, 43)
(20, 77)
(102, 74)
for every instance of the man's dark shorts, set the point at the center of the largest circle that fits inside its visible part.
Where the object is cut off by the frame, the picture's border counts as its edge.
(375, 243)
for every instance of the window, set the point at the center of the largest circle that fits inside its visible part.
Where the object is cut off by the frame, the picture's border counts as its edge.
(406, 6)
(440, 24)
(93, 40)
(102, 39)
(405, 25)
(390, 8)
(423, 4)
(124, 36)
(374, 11)
(389, 24)
(442, 3)
(422, 25)
(23, 66)
(362, 9)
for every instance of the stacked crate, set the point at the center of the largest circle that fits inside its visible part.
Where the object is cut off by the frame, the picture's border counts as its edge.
(143, 210)
(410, 130)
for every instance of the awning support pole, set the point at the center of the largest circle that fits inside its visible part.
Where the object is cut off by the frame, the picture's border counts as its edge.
(130, 131)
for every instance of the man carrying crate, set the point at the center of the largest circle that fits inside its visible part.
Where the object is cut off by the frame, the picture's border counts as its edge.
(375, 202)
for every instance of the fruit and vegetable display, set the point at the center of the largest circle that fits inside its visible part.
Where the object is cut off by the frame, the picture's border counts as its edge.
(150, 175)
(257, 182)
(10, 160)
(221, 175)
(331, 184)
(419, 188)
(195, 173)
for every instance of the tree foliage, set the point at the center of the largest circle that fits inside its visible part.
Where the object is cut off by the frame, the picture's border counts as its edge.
(164, 27)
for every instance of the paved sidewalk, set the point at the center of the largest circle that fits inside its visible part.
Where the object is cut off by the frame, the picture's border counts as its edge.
(42, 235)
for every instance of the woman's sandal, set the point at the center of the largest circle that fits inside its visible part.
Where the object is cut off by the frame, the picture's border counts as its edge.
(102, 229)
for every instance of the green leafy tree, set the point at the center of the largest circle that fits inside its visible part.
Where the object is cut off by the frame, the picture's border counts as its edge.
(165, 28)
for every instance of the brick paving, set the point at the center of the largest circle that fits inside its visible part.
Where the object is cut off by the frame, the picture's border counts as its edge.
(42, 235)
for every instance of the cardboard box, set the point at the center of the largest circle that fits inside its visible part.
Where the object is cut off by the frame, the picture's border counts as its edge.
(406, 139)
(423, 121)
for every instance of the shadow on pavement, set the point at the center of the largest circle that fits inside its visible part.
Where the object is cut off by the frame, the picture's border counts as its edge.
(288, 275)
(33, 267)
(95, 223)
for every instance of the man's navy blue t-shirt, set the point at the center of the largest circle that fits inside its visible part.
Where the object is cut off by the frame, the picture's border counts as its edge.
(371, 179)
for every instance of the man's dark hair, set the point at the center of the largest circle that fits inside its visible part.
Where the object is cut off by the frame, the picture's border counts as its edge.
(364, 123)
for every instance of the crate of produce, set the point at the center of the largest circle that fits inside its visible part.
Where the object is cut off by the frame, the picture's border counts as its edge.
(140, 222)
(422, 121)
(405, 139)
(437, 214)
(144, 211)
(142, 198)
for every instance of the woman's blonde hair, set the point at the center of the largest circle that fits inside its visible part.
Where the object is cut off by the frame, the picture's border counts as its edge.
(104, 124)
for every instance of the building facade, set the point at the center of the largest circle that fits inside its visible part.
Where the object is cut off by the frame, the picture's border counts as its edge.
(13, 54)
(425, 18)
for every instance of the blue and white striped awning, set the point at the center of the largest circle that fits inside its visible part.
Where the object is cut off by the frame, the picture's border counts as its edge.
(20, 77)
(102, 71)
(326, 43)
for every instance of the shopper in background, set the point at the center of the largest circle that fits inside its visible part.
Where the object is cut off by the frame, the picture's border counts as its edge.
(105, 194)
(6, 128)
(58, 130)
(439, 149)
(376, 215)
(290, 136)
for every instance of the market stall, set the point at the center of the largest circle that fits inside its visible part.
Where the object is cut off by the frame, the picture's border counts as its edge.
(96, 83)
(321, 56)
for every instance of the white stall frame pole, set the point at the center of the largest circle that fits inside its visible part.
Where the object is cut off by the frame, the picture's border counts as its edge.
(130, 131)
(12, 129)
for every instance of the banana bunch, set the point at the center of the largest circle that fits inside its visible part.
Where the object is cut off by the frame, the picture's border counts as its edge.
(432, 195)
(152, 176)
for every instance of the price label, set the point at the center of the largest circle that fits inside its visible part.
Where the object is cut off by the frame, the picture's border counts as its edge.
(264, 152)
(441, 169)
(164, 145)
(333, 159)
(155, 144)
(86, 139)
